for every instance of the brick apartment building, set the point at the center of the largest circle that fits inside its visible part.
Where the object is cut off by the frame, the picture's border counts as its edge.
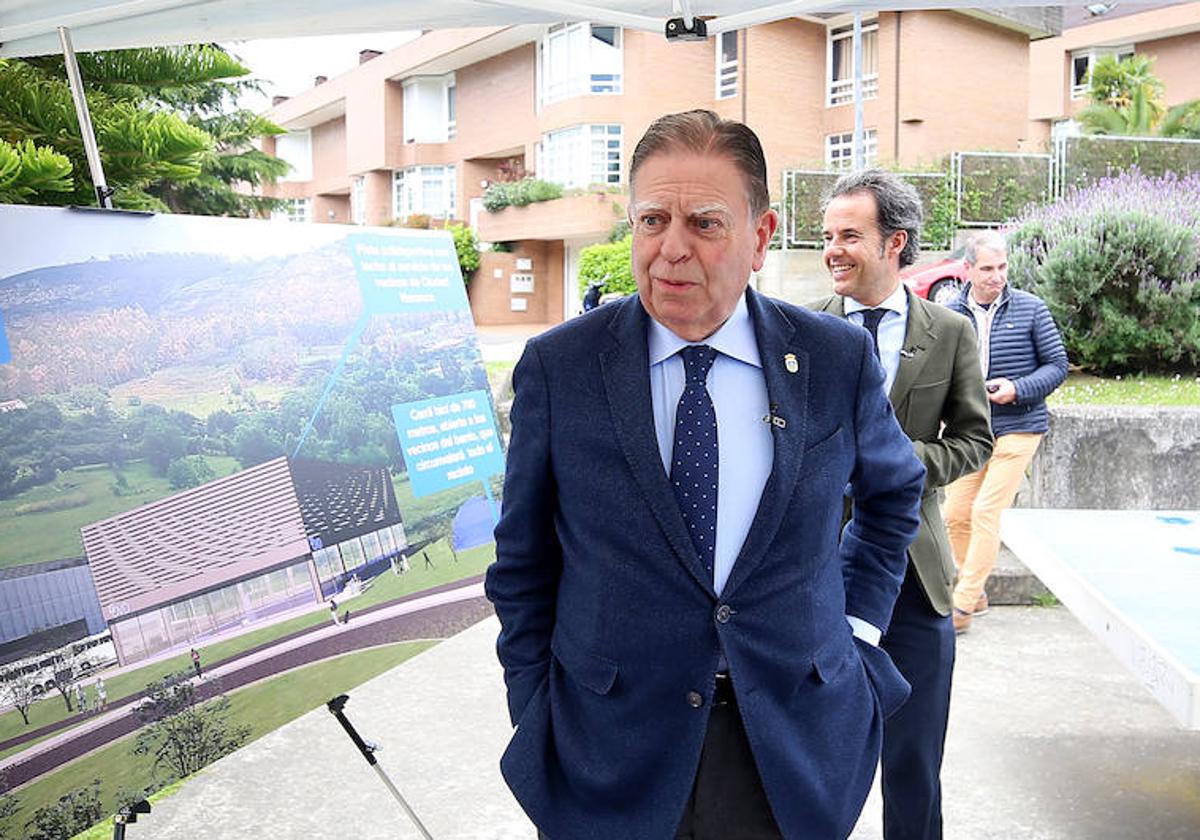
(424, 128)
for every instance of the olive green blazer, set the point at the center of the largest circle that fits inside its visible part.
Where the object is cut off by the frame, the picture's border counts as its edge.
(939, 382)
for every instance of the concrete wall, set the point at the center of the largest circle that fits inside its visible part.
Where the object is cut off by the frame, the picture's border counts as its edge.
(1119, 457)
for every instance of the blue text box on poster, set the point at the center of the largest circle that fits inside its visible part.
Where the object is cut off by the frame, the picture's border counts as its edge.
(447, 441)
(407, 273)
(5, 350)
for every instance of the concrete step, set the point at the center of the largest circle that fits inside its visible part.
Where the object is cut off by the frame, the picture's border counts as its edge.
(1011, 582)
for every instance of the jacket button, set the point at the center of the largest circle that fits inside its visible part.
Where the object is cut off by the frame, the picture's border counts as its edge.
(695, 699)
(724, 613)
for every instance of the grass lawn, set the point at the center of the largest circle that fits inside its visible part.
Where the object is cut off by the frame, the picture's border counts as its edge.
(197, 390)
(386, 587)
(264, 707)
(1137, 389)
(29, 537)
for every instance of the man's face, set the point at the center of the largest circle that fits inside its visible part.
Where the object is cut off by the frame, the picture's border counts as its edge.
(988, 275)
(863, 265)
(694, 242)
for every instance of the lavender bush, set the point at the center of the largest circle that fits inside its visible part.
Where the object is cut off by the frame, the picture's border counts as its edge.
(1118, 262)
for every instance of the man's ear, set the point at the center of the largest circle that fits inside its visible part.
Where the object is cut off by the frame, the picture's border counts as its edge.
(895, 244)
(767, 224)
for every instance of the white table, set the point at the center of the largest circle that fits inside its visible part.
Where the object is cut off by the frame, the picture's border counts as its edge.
(1133, 579)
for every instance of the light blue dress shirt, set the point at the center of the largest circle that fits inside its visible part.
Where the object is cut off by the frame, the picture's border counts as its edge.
(891, 330)
(745, 449)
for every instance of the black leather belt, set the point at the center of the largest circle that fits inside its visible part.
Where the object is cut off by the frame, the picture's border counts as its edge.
(723, 691)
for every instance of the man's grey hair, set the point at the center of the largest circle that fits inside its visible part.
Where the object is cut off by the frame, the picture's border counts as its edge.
(704, 133)
(993, 240)
(897, 206)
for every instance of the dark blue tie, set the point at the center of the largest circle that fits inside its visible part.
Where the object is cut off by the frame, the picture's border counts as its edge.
(871, 319)
(694, 458)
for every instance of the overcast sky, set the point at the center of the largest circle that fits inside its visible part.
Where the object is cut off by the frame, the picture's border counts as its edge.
(287, 66)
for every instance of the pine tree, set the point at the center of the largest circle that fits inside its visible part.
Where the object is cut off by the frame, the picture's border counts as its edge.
(169, 137)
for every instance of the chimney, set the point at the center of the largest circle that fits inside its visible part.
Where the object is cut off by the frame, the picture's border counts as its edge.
(278, 100)
(366, 55)
(320, 80)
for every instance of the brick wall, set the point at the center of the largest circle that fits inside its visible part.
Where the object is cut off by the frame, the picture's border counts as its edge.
(491, 297)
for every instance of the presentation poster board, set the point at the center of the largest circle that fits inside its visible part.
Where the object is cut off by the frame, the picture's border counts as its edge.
(223, 435)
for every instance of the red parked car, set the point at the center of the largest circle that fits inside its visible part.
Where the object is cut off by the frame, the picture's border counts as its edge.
(939, 282)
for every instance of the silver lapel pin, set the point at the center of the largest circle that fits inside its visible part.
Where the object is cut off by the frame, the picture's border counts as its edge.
(789, 362)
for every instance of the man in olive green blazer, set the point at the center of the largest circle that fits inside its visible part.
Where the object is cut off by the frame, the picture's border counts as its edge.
(935, 385)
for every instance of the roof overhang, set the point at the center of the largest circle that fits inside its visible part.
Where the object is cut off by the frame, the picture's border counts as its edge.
(29, 27)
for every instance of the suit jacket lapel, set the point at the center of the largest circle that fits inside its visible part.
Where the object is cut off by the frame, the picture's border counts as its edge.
(787, 394)
(626, 371)
(918, 335)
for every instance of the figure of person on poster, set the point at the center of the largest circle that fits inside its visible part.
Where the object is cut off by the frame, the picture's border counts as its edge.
(689, 649)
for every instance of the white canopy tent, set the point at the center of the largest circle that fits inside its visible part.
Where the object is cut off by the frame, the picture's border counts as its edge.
(29, 27)
(40, 27)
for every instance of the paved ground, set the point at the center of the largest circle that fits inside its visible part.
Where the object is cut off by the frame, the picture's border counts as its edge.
(1050, 740)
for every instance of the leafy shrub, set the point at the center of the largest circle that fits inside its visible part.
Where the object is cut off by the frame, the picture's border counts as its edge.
(1118, 264)
(520, 193)
(497, 196)
(189, 471)
(608, 263)
(466, 245)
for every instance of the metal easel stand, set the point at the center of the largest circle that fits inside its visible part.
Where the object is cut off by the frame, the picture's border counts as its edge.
(368, 750)
(103, 191)
(128, 814)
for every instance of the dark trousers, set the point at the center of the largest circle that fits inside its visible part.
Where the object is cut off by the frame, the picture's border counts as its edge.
(921, 643)
(727, 800)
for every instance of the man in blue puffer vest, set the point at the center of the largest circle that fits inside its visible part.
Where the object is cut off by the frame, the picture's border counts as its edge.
(1023, 361)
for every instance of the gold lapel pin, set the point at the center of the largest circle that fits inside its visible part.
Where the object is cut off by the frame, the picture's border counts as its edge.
(789, 362)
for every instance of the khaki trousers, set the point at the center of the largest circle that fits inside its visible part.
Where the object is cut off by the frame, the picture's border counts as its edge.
(972, 513)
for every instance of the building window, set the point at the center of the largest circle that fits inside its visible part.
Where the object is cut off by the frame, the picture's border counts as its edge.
(1082, 62)
(295, 148)
(727, 65)
(581, 155)
(840, 78)
(358, 200)
(429, 190)
(577, 59)
(430, 109)
(294, 210)
(839, 150)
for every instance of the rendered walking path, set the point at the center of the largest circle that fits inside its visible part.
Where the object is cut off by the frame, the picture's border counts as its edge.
(434, 615)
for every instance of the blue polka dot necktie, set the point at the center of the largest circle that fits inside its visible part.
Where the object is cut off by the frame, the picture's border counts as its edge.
(871, 319)
(694, 458)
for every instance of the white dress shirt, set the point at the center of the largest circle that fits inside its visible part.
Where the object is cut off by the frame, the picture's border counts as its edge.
(891, 329)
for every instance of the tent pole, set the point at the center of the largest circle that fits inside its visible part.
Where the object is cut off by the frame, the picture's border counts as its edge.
(103, 191)
(860, 138)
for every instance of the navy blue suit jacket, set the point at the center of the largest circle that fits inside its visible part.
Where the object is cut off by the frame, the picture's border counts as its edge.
(610, 628)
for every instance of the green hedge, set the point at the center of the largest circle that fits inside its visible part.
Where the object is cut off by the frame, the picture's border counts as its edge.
(997, 187)
(608, 263)
(1118, 264)
(1088, 159)
(805, 191)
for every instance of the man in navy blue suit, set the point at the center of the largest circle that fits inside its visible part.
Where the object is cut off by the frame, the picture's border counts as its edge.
(689, 649)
